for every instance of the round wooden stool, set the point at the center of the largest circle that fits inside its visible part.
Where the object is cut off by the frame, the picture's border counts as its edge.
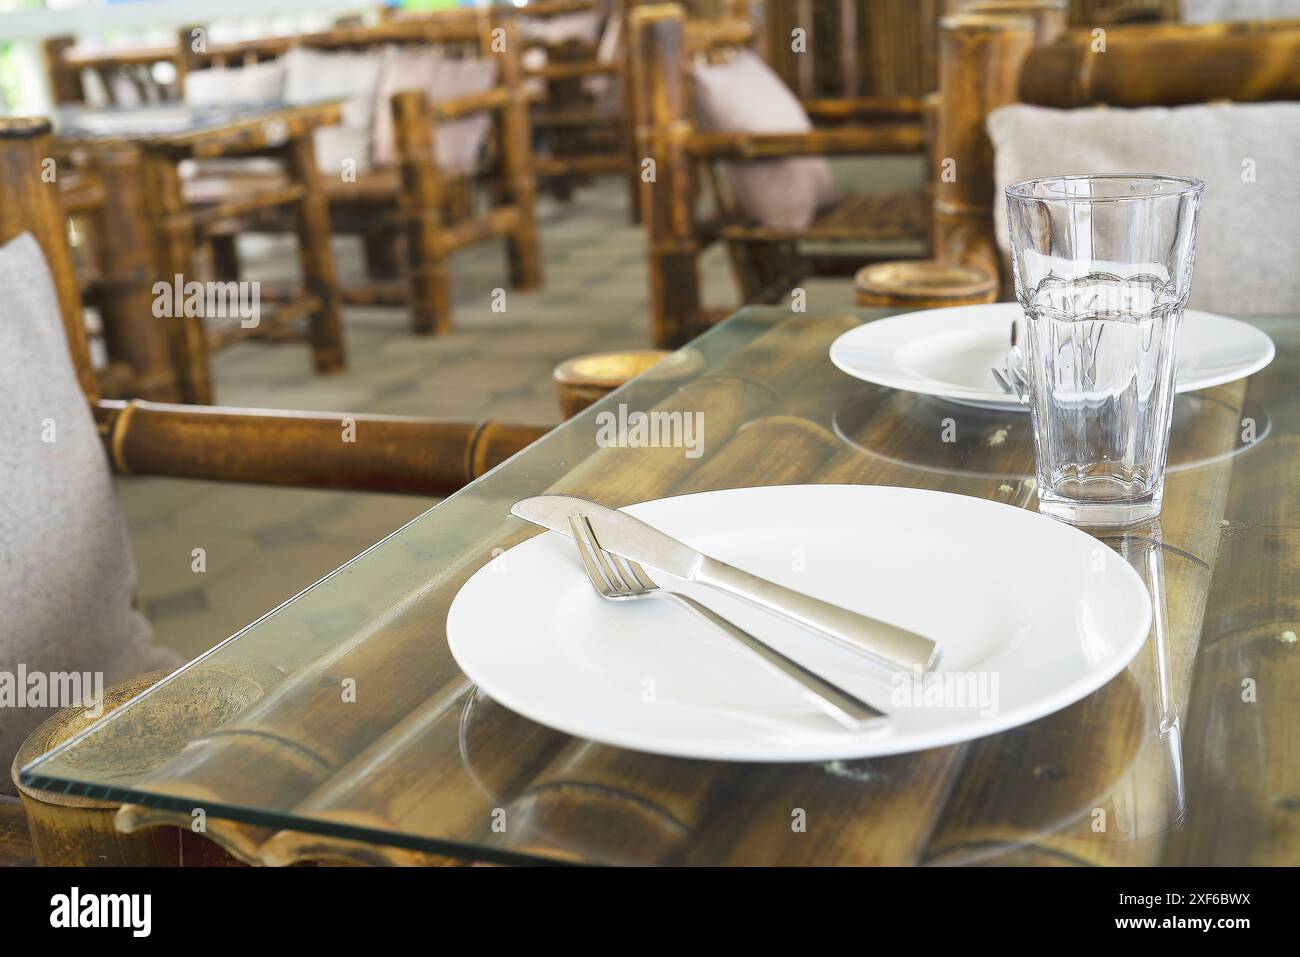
(582, 380)
(923, 284)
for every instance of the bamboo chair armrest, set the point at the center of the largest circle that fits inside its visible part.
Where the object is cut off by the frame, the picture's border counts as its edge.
(570, 71)
(460, 106)
(885, 138)
(856, 109)
(373, 453)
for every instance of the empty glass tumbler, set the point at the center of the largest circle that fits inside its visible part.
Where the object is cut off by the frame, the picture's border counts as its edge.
(1102, 267)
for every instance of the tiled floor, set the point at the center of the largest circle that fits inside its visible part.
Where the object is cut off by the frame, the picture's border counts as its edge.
(263, 545)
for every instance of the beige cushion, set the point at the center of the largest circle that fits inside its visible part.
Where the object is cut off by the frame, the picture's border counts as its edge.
(312, 75)
(256, 83)
(458, 143)
(1248, 232)
(403, 69)
(744, 95)
(65, 562)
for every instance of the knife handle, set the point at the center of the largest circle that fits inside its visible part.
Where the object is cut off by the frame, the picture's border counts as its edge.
(894, 647)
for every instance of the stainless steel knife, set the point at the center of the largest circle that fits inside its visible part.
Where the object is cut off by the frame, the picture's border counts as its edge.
(632, 538)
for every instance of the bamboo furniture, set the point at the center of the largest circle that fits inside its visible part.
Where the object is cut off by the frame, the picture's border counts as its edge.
(1020, 53)
(115, 269)
(584, 134)
(1165, 764)
(864, 48)
(436, 212)
(152, 226)
(767, 262)
(390, 454)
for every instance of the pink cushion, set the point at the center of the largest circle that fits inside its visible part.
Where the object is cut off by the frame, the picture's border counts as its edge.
(457, 144)
(404, 68)
(744, 95)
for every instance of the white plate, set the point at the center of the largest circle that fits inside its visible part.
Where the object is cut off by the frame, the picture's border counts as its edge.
(948, 352)
(1039, 612)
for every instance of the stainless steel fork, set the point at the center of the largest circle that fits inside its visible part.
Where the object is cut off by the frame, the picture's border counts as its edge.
(621, 579)
(1011, 377)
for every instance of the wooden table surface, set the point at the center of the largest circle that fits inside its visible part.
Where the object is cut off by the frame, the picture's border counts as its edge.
(1189, 756)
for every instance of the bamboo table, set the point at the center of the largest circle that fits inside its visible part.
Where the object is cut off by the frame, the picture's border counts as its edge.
(339, 727)
(149, 226)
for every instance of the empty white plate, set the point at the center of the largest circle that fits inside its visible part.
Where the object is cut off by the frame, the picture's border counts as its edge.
(1031, 614)
(949, 352)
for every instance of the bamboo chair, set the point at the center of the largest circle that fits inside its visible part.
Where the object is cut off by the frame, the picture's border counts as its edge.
(578, 138)
(767, 262)
(258, 446)
(437, 212)
(991, 59)
(267, 447)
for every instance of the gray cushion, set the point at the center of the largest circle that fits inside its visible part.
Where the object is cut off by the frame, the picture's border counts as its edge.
(1249, 231)
(744, 95)
(65, 561)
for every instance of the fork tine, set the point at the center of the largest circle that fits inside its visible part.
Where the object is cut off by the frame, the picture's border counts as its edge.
(600, 555)
(620, 565)
(585, 550)
(639, 573)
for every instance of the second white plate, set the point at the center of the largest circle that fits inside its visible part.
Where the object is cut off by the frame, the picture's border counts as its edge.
(948, 352)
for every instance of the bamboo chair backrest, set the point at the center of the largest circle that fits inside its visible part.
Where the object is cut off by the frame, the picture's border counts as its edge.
(714, 40)
(883, 48)
(663, 46)
(987, 61)
(134, 68)
(30, 203)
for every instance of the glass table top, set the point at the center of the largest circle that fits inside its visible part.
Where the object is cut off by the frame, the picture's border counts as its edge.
(158, 119)
(339, 726)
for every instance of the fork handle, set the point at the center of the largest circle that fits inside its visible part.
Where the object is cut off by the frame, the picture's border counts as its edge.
(896, 648)
(843, 706)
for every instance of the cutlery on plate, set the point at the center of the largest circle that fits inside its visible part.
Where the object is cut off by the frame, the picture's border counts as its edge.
(633, 539)
(621, 579)
(1011, 377)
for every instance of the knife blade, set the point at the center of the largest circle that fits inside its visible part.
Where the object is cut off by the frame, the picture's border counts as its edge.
(632, 538)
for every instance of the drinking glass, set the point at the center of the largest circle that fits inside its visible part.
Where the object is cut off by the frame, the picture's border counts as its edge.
(1102, 267)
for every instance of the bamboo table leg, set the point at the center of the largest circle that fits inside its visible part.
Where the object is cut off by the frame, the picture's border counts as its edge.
(125, 254)
(329, 352)
(174, 257)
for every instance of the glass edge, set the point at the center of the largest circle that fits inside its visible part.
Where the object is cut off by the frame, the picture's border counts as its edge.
(1190, 185)
(286, 821)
